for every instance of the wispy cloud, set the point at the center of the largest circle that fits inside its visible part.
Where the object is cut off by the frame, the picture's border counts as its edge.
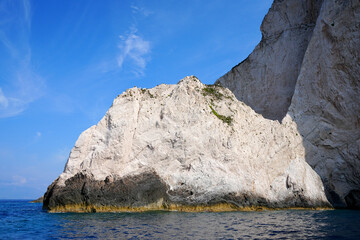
(26, 87)
(9, 47)
(21, 85)
(18, 180)
(135, 50)
(15, 180)
(4, 102)
(141, 10)
(10, 106)
(27, 12)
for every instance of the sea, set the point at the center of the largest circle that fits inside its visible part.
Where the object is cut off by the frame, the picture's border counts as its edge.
(20, 219)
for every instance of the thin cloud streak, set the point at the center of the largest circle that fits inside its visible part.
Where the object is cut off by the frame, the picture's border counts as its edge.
(135, 50)
(27, 87)
(4, 102)
(8, 45)
(18, 180)
(10, 106)
(27, 13)
(141, 10)
(24, 85)
(15, 181)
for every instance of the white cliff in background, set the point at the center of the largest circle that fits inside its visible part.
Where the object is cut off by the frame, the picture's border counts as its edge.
(308, 65)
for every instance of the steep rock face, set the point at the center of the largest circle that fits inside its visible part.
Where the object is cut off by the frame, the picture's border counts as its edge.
(317, 73)
(185, 147)
(266, 79)
(326, 102)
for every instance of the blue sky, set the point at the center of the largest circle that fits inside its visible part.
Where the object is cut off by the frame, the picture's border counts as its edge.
(63, 62)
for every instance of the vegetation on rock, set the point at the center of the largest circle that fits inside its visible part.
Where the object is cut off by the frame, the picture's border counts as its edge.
(225, 119)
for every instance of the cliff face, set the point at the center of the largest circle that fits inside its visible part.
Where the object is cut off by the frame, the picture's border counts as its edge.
(266, 80)
(326, 102)
(315, 78)
(186, 147)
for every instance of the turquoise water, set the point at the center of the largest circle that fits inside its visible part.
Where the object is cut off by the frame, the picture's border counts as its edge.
(20, 219)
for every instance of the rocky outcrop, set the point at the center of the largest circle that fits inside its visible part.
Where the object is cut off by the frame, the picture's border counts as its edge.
(39, 200)
(187, 147)
(266, 79)
(308, 65)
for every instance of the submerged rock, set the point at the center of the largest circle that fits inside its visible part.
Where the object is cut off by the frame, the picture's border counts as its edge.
(307, 65)
(187, 147)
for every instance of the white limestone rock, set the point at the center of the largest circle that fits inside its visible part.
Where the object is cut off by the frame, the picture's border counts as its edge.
(309, 58)
(326, 102)
(203, 143)
(266, 79)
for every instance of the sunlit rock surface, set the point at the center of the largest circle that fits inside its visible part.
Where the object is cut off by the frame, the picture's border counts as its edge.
(308, 65)
(266, 79)
(187, 147)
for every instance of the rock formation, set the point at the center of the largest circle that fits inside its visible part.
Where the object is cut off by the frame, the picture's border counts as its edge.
(193, 147)
(308, 66)
(266, 79)
(39, 200)
(187, 147)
